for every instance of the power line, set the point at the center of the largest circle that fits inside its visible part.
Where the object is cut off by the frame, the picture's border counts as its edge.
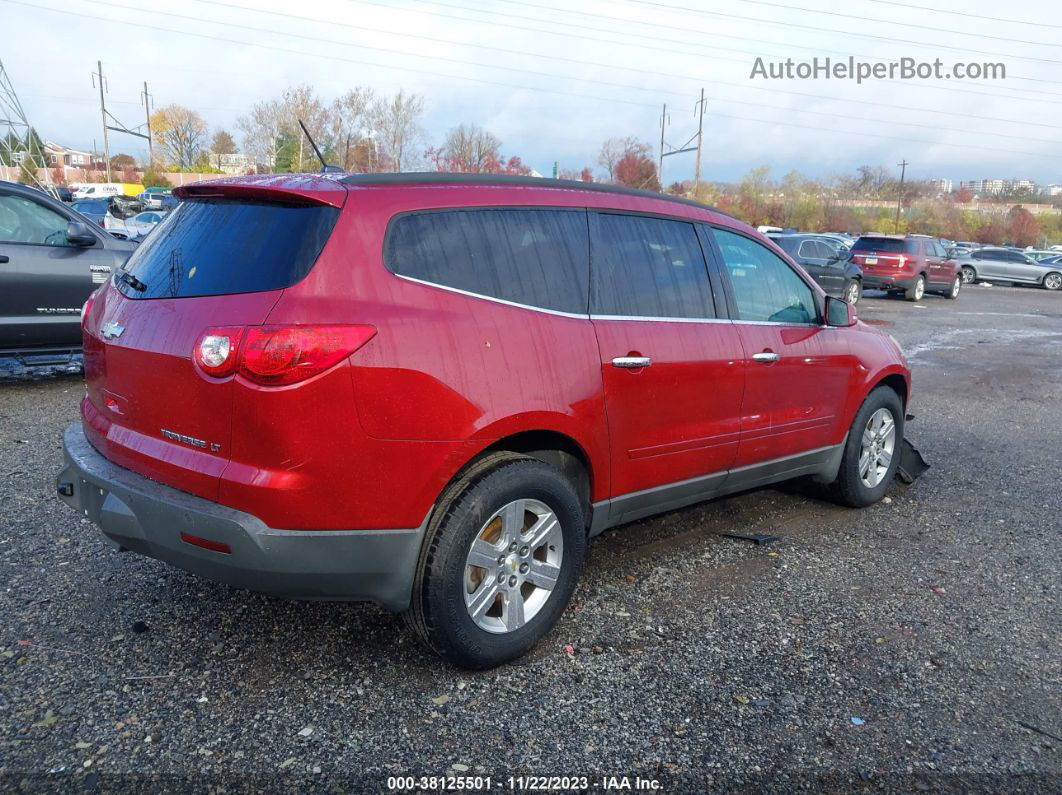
(834, 31)
(978, 116)
(501, 83)
(670, 50)
(1037, 24)
(950, 31)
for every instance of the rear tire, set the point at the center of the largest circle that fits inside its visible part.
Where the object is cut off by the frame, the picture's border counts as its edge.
(1053, 281)
(953, 291)
(523, 521)
(853, 291)
(916, 290)
(969, 275)
(864, 475)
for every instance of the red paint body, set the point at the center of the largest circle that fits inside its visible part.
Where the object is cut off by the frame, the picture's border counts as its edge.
(372, 442)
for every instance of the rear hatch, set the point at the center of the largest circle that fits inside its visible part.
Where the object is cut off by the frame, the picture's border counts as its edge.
(219, 260)
(882, 256)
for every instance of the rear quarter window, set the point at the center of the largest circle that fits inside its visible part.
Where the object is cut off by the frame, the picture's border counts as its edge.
(228, 246)
(534, 257)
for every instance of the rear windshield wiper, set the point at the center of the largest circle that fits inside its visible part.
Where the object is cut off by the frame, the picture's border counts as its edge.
(132, 281)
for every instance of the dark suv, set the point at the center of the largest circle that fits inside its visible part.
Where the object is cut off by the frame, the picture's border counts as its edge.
(910, 265)
(51, 259)
(431, 390)
(827, 264)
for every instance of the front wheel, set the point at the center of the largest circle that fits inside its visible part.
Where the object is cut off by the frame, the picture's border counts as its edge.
(500, 563)
(969, 275)
(953, 291)
(916, 290)
(853, 292)
(1053, 281)
(872, 449)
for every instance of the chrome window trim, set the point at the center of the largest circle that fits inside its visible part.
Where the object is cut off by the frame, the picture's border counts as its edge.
(490, 298)
(663, 319)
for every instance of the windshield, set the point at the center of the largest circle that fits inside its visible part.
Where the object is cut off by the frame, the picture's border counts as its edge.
(227, 246)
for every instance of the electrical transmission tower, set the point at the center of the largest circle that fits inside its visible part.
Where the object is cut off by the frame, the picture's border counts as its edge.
(20, 141)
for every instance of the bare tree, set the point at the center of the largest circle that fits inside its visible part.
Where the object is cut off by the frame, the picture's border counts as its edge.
(263, 131)
(472, 149)
(351, 120)
(396, 122)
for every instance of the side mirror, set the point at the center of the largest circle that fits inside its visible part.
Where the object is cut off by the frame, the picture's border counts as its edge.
(839, 313)
(78, 234)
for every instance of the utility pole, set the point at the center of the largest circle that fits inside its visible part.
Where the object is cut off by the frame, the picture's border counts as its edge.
(103, 117)
(899, 199)
(147, 123)
(660, 166)
(700, 142)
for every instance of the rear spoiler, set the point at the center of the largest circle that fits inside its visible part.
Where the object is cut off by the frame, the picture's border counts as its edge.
(298, 188)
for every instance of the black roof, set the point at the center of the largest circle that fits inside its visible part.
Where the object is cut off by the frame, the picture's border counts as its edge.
(449, 178)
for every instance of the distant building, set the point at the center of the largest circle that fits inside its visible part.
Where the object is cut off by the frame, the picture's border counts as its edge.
(58, 155)
(997, 186)
(941, 185)
(235, 163)
(1054, 190)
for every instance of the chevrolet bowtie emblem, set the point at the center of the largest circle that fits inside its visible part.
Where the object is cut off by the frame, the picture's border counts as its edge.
(111, 330)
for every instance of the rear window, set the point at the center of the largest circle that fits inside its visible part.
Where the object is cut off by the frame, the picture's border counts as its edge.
(886, 245)
(538, 258)
(227, 246)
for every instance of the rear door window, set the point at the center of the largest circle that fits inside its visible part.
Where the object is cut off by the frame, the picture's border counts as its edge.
(648, 267)
(534, 257)
(228, 246)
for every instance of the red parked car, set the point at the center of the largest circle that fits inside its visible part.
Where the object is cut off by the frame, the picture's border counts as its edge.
(910, 265)
(430, 391)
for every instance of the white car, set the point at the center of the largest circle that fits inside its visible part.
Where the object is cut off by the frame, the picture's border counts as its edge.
(134, 227)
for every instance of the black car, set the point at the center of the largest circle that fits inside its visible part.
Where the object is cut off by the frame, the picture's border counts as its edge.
(93, 209)
(51, 259)
(825, 264)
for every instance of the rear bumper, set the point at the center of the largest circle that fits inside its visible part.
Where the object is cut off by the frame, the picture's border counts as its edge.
(147, 517)
(873, 282)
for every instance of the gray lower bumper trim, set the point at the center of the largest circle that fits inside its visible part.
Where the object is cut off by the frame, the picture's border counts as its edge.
(148, 517)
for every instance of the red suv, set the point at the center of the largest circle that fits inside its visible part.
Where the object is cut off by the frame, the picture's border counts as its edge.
(912, 265)
(430, 391)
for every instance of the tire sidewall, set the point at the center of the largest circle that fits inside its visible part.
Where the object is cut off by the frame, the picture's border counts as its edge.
(967, 269)
(460, 638)
(853, 488)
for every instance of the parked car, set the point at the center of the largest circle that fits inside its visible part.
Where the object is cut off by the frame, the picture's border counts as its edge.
(93, 209)
(1057, 258)
(97, 190)
(998, 264)
(51, 258)
(832, 270)
(139, 225)
(157, 200)
(910, 265)
(1039, 254)
(430, 390)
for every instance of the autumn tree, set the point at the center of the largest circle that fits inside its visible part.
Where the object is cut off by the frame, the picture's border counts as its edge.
(1022, 229)
(222, 143)
(637, 169)
(965, 195)
(470, 149)
(180, 132)
(351, 127)
(616, 149)
(121, 162)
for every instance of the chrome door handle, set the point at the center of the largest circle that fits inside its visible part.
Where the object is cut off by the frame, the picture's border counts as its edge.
(765, 357)
(631, 362)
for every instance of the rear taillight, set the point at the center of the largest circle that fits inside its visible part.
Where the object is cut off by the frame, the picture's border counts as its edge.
(218, 350)
(86, 308)
(901, 261)
(277, 355)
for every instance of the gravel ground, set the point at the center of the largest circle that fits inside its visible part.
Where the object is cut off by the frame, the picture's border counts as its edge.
(913, 645)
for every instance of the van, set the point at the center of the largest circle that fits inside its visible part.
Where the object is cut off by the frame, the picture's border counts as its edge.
(432, 390)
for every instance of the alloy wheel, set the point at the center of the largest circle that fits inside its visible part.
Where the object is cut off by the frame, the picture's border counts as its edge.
(513, 565)
(1053, 281)
(852, 294)
(968, 275)
(920, 289)
(877, 447)
(955, 287)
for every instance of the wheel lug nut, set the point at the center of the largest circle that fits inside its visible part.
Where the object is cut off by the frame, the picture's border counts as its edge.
(512, 581)
(501, 560)
(512, 547)
(501, 577)
(523, 568)
(524, 551)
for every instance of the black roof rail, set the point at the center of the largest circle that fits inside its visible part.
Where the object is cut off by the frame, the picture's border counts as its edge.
(462, 178)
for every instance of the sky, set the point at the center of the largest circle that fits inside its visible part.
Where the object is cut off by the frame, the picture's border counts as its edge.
(554, 78)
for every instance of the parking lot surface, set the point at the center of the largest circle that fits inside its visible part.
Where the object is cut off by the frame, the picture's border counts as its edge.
(914, 644)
